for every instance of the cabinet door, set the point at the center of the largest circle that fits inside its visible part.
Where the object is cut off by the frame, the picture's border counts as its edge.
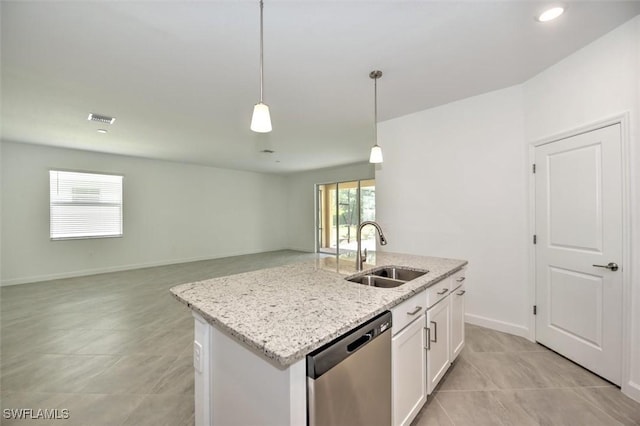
(457, 321)
(438, 352)
(408, 356)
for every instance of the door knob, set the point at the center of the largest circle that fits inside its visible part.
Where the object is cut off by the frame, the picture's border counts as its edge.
(611, 266)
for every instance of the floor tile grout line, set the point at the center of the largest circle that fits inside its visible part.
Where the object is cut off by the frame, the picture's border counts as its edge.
(481, 373)
(134, 409)
(598, 407)
(504, 408)
(443, 409)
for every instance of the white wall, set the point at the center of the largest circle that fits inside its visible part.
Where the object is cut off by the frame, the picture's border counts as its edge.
(597, 82)
(172, 213)
(453, 184)
(301, 200)
(455, 178)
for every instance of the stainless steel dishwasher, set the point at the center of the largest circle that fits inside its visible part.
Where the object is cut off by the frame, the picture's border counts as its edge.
(349, 379)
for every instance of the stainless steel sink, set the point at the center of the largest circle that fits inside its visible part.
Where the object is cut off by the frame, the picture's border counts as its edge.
(376, 281)
(387, 277)
(399, 273)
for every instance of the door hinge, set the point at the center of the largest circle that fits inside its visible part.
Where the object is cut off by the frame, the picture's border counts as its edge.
(535, 239)
(533, 168)
(535, 309)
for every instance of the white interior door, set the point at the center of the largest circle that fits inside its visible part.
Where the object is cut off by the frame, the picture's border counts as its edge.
(578, 185)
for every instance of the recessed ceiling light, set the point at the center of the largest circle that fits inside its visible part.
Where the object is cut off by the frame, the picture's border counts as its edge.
(550, 14)
(102, 130)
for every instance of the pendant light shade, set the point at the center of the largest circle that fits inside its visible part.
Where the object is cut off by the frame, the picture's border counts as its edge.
(261, 119)
(376, 152)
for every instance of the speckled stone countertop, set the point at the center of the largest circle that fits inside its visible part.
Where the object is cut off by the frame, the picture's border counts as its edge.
(286, 312)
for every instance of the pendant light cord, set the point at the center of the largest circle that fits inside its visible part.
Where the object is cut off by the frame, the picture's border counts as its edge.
(376, 151)
(375, 110)
(261, 55)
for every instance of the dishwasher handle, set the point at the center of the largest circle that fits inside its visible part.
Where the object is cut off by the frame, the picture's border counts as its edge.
(363, 340)
(328, 356)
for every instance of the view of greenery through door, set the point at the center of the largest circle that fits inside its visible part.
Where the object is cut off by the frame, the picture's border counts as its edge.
(341, 208)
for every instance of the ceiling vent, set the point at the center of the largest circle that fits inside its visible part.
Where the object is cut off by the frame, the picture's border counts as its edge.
(101, 118)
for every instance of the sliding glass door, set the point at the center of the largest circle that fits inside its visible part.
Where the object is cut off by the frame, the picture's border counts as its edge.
(341, 208)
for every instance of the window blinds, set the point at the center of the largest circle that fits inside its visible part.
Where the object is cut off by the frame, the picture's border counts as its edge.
(85, 205)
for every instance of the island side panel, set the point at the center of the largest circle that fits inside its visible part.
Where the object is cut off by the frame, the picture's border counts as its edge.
(202, 370)
(237, 386)
(298, 393)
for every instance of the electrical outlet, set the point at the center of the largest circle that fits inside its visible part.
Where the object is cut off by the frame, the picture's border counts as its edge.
(197, 357)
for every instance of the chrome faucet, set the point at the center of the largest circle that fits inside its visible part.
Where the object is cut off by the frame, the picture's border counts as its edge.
(360, 258)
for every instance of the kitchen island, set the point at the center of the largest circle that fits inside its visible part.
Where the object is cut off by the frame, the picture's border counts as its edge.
(253, 330)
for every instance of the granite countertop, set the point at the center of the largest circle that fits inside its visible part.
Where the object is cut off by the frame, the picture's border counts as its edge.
(286, 312)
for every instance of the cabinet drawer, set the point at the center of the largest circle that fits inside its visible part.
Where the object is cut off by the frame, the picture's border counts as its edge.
(458, 278)
(437, 292)
(409, 310)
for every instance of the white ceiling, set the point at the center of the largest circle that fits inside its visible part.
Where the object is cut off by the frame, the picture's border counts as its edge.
(182, 77)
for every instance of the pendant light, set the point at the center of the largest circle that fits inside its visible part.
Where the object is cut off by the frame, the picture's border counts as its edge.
(376, 152)
(261, 119)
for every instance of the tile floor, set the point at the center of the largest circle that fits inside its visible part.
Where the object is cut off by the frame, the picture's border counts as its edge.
(500, 379)
(115, 349)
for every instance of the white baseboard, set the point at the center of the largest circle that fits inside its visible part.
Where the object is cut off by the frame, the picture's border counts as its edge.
(104, 270)
(494, 324)
(303, 249)
(632, 390)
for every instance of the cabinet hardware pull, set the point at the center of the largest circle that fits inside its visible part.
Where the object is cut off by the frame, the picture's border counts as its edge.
(428, 347)
(461, 292)
(435, 332)
(444, 290)
(415, 311)
(461, 279)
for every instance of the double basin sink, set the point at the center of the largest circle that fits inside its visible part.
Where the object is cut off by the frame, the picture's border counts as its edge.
(387, 277)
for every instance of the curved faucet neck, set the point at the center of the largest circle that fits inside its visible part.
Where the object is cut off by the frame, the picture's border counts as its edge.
(369, 222)
(360, 259)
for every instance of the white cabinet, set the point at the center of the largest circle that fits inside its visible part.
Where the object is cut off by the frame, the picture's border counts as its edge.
(445, 326)
(457, 321)
(409, 371)
(408, 359)
(428, 334)
(438, 342)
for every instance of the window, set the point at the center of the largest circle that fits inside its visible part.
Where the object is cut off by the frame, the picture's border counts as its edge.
(84, 205)
(342, 206)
